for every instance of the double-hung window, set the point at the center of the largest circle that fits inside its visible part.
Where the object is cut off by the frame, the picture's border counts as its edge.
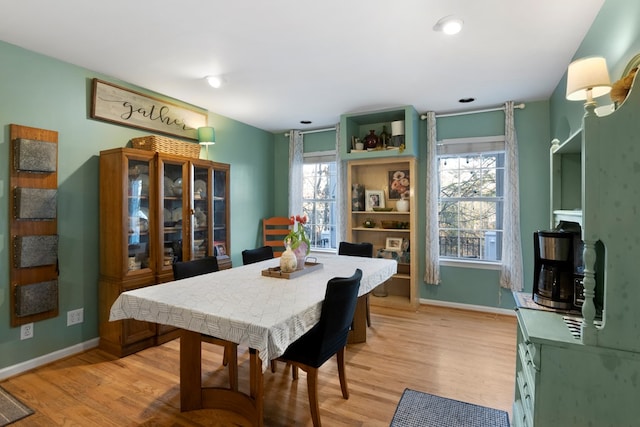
(319, 199)
(471, 198)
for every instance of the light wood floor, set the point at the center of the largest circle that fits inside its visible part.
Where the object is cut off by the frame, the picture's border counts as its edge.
(457, 354)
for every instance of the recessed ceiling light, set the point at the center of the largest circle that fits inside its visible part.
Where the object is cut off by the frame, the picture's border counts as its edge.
(466, 100)
(449, 25)
(214, 81)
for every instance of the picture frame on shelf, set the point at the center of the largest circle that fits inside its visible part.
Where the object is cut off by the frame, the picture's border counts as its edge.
(393, 244)
(374, 199)
(399, 184)
(220, 248)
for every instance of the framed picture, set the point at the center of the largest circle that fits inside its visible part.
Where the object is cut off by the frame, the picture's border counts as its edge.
(220, 249)
(373, 199)
(399, 184)
(393, 244)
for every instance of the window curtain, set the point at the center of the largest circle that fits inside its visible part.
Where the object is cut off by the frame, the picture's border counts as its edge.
(341, 191)
(511, 274)
(432, 246)
(296, 162)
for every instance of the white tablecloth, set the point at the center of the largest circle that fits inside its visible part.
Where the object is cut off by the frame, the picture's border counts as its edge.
(242, 306)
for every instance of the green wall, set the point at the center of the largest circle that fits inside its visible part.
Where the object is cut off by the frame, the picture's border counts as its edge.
(615, 35)
(38, 91)
(478, 286)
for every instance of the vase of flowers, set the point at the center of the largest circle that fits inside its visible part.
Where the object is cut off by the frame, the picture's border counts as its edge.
(298, 240)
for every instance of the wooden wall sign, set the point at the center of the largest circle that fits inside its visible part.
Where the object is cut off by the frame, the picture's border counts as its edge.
(120, 105)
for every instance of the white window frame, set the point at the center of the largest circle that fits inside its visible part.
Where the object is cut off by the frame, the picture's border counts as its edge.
(329, 156)
(470, 146)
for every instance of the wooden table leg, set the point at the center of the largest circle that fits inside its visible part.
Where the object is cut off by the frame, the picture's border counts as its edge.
(359, 332)
(190, 371)
(256, 385)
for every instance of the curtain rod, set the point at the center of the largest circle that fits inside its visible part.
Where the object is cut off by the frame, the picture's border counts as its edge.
(464, 113)
(314, 131)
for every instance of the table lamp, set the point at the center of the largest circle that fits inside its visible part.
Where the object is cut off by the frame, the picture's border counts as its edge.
(206, 137)
(588, 78)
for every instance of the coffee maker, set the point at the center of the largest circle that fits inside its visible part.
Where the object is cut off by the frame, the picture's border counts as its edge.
(558, 268)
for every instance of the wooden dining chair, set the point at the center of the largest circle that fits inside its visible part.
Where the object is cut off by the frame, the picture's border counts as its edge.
(185, 269)
(250, 256)
(327, 338)
(365, 250)
(274, 230)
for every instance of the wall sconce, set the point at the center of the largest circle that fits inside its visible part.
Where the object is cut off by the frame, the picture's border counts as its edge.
(206, 137)
(588, 78)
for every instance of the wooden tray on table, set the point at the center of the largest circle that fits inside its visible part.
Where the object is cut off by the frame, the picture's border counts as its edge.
(275, 271)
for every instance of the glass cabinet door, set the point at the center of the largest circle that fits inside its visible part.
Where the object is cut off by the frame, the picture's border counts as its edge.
(201, 215)
(138, 215)
(173, 192)
(220, 211)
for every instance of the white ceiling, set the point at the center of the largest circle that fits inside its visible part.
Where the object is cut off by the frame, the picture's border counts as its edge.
(290, 60)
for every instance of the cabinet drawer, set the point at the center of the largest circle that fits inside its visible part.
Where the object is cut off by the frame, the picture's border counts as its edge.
(520, 418)
(525, 392)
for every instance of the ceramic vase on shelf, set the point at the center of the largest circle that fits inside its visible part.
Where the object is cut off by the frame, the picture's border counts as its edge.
(288, 260)
(300, 253)
(402, 205)
(371, 140)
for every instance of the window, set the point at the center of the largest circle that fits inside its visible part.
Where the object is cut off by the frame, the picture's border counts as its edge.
(319, 199)
(471, 198)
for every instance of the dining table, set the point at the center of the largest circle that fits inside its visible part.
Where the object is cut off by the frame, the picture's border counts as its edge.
(249, 305)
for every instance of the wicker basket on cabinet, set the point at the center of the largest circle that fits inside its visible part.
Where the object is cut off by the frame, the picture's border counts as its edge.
(163, 144)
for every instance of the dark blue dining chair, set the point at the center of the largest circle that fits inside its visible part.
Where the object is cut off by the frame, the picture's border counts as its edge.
(250, 256)
(197, 267)
(326, 338)
(365, 250)
(184, 269)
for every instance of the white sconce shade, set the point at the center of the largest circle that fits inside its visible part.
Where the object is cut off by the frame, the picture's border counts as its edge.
(587, 78)
(206, 136)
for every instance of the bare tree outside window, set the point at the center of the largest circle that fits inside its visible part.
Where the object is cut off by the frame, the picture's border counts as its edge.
(319, 203)
(470, 206)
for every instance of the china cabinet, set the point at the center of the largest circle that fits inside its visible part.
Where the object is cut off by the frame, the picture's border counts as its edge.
(583, 371)
(155, 209)
(392, 231)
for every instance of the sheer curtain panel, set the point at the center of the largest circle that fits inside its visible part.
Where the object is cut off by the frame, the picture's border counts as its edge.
(296, 163)
(511, 274)
(432, 246)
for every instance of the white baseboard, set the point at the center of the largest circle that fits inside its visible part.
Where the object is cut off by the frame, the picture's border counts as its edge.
(472, 307)
(14, 370)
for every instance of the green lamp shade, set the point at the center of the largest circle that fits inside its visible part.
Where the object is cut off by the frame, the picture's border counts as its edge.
(206, 135)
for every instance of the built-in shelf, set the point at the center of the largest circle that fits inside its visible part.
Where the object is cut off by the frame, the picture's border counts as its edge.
(571, 145)
(386, 230)
(374, 174)
(380, 212)
(358, 125)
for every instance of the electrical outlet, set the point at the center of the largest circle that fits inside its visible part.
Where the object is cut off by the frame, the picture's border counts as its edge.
(75, 316)
(26, 331)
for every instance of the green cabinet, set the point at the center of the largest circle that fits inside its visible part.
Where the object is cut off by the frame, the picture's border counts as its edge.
(587, 374)
(562, 382)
